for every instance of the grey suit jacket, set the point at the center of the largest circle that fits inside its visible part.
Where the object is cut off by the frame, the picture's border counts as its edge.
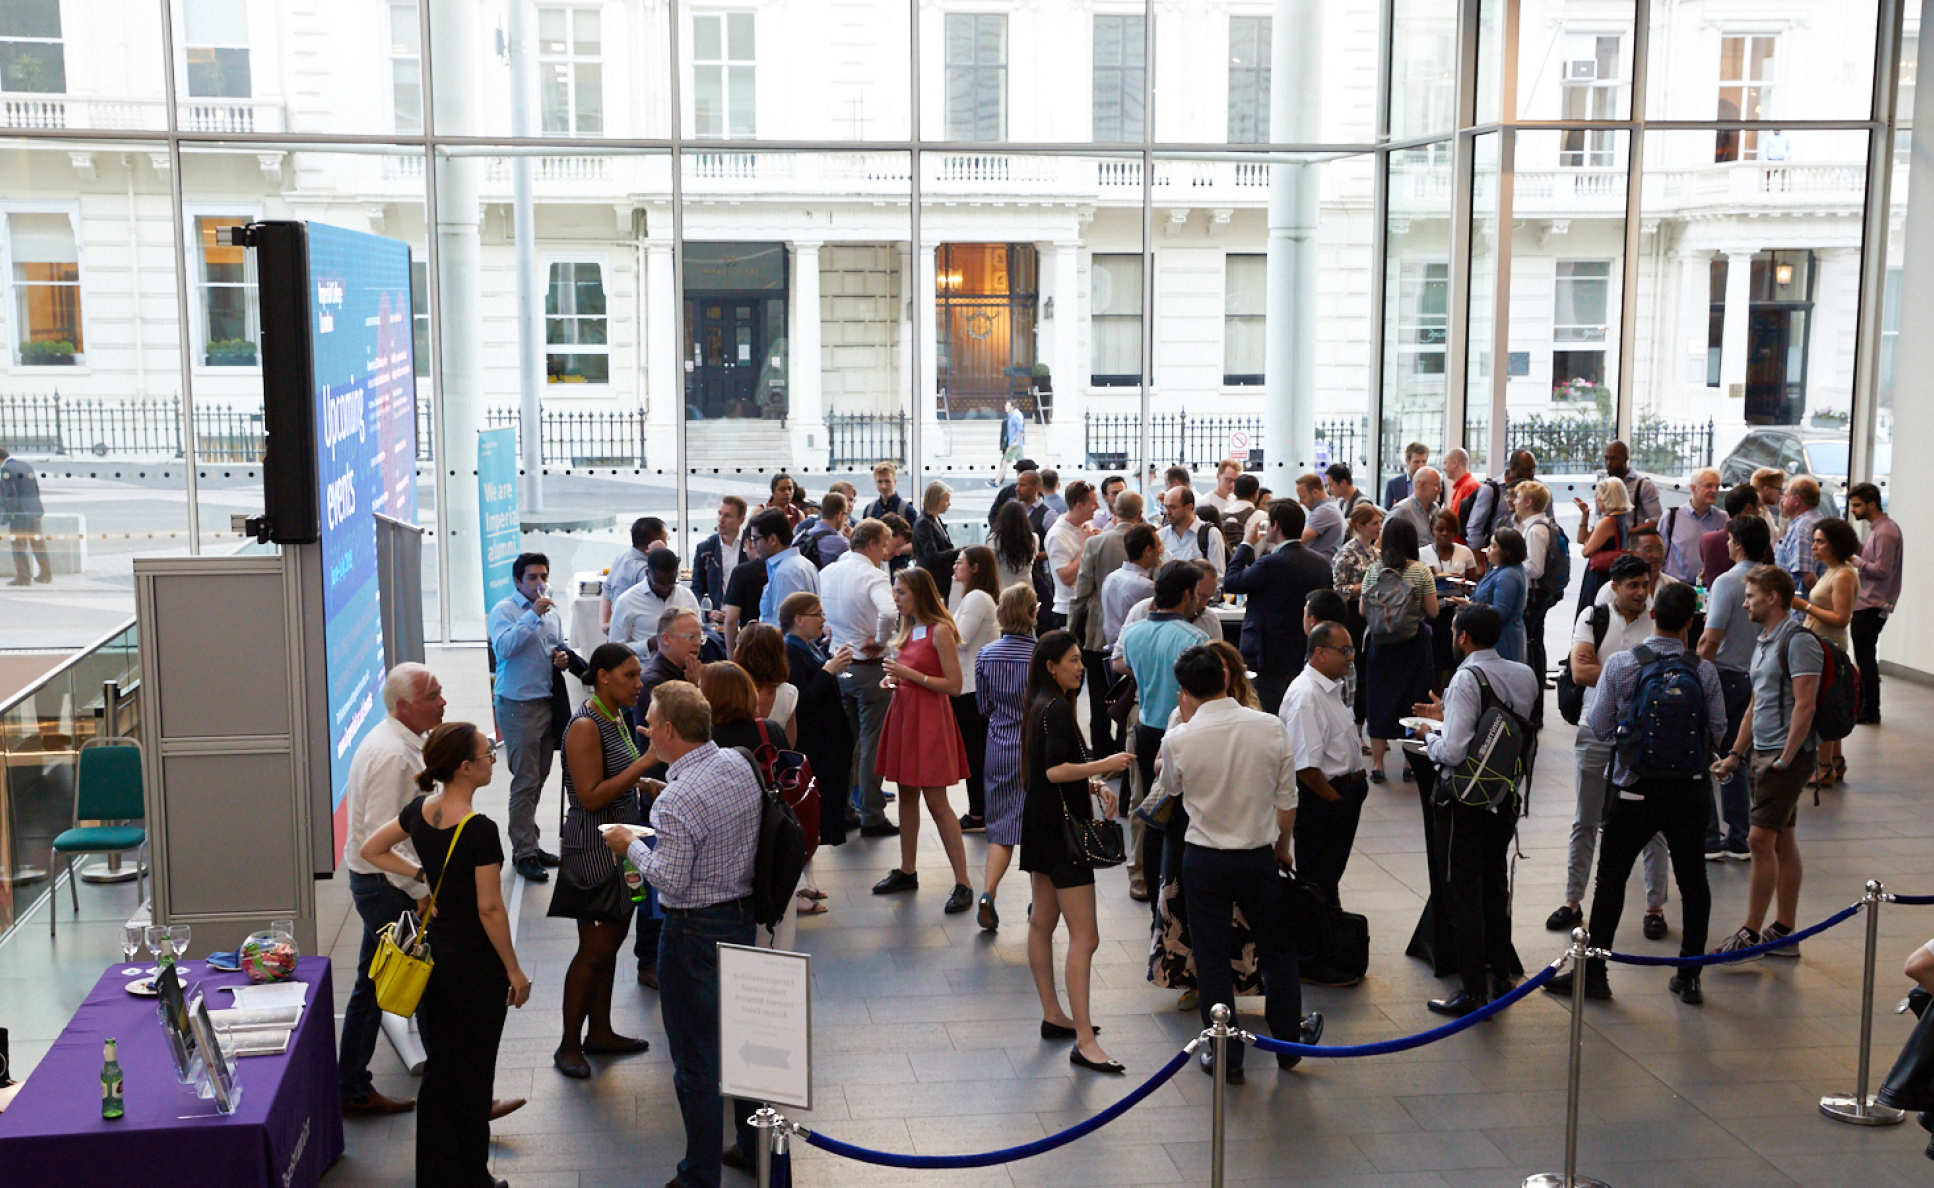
(1100, 556)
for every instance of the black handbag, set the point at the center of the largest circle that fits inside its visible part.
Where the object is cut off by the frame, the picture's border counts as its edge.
(1097, 843)
(1122, 696)
(1910, 1083)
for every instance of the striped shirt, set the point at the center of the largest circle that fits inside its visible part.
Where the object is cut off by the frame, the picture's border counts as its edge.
(586, 860)
(707, 820)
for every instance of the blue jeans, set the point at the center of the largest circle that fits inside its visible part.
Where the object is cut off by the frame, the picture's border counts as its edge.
(1727, 814)
(378, 903)
(688, 994)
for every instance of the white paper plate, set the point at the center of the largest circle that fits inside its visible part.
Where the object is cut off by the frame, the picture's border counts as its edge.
(1431, 724)
(142, 988)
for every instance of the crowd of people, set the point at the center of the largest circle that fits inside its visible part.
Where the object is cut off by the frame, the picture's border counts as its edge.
(1228, 670)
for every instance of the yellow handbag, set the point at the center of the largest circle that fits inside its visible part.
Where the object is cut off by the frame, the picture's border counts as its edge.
(401, 970)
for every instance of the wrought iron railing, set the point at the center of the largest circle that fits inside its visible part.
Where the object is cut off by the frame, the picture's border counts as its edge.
(861, 439)
(1110, 440)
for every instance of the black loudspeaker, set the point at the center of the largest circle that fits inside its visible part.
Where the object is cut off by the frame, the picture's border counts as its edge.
(6, 1074)
(291, 512)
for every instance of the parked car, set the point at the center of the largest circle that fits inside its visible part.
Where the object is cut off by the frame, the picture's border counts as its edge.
(1822, 453)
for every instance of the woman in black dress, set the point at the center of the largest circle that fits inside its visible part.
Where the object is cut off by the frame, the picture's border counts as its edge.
(933, 548)
(476, 978)
(602, 768)
(1056, 769)
(820, 722)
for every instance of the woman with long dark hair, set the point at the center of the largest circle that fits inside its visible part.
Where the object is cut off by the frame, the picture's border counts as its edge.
(1014, 543)
(1828, 608)
(920, 747)
(476, 977)
(1057, 771)
(972, 606)
(1505, 588)
(602, 770)
(1398, 674)
(761, 651)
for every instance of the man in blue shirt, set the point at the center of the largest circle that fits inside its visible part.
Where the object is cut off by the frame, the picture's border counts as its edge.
(528, 637)
(786, 571)
(1149, 650)
(1794, 553)
(1684, 527)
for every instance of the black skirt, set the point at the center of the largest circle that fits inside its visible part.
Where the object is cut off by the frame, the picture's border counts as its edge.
(1397, 678)
(609, 902)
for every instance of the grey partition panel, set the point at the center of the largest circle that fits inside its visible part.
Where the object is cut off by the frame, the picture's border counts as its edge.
(205, 641)
(399, 577)
(219, 816)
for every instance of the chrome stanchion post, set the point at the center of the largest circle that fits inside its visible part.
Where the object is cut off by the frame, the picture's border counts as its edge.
(1219, 1033)
(1859, 1108)
(772, 1129)
(1570, 1178)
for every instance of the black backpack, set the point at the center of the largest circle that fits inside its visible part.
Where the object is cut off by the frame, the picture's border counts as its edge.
(782, 851)
(1468, 508)
(808, 540)
(1549, 590)
(1571, 694)
(1837, 704)
(1665, 733)
(1494, 764)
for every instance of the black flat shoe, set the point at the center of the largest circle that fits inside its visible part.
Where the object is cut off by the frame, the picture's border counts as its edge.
(532, 869)
(618, 1045)
(896, 880)
(1101, 1066)
(549, 859)
(883, 829)
(1232, 1076)
(969, 823)
(1685, 984)
(1565, 917)
(1654, 927)
(1054, 1031)
(987, 917)
(731, 1158)
(1456, 1006)
(578, 1070)
(960, 900)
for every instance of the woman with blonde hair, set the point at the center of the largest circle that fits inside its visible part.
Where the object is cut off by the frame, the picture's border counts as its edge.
(1604, 542)
(920, 746)
(933, 549)
(1532, 500)
(1240, 690)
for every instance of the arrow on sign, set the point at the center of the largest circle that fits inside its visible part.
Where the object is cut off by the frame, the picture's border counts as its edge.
(760, 1054)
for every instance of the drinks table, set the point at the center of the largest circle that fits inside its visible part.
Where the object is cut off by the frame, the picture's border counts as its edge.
(286, 1131)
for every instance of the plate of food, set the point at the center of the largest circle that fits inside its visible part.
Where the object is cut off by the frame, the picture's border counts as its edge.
(1431, 724)
(143, 987)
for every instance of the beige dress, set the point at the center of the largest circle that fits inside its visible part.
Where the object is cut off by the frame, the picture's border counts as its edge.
(1820, 594)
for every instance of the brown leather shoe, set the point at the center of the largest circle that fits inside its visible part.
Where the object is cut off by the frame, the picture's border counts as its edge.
(500, 1106)
(374, 1103)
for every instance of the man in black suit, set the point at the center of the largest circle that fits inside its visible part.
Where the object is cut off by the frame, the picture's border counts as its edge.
(1277, 585)
(717, 555)
(1398, 488)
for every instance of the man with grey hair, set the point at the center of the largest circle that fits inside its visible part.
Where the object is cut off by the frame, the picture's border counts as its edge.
(382, 779)
(1683, 527)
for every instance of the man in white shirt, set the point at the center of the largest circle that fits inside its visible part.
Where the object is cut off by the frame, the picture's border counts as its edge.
(1186, 538)
(382, 779)
(857, 596)
(1065, 538)
(628, 568)
(1224, 495)
(1234, 769)
(1330, 781)
(634, 619)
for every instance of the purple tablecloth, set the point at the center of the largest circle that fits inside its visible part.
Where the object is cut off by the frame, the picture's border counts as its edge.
(287, 1131)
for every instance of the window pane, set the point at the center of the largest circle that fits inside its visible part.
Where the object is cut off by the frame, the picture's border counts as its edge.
(33, 66)
(707, 45)
(216, 22)
(738, 27)
(567, 45)
(218, 73)
(590, 99)
(1798, 64)
(1576, 63)
(708, 101)
(1423, 57)
(30, 18)
(584, 31)
(1416, 306)
(743, 102)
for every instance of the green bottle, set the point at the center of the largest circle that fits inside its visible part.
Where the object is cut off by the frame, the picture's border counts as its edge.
(634, 881)
(111, 1105)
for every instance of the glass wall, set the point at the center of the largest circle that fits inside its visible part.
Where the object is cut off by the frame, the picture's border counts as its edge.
(833, 237)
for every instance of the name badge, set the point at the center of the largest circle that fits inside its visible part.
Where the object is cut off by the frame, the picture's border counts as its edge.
(919, 632)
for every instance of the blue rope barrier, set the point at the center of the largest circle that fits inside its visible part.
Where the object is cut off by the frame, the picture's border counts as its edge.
(1011, 1154)
(1910, 899)
(1407, 1042)
(1795, 938)
(781, 1169)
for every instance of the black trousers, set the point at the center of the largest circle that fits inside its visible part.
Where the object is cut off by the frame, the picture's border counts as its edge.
(1475, 843)
(1148, 744)
(1046, 620)
(1534, 651)
(1865, 632)
(973, 736)
(1271, 687)
(1677, 809)
(1326, 830)
(1103, 737)
(1214, 882)
(462, 1019)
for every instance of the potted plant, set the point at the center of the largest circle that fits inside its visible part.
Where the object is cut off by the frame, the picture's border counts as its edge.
(231, 352)
(1043, 384)
(47, 353)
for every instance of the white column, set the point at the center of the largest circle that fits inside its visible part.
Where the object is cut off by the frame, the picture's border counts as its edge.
(664, 369)
(1739, 296)
(805, 407)
(934, 442)
(903, 321)
(1069, 373)
(1289, 356)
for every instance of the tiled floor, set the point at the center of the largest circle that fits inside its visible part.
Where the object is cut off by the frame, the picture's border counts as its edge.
(925, 1035)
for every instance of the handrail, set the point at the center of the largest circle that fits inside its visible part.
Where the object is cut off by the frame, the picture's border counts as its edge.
(80, 654)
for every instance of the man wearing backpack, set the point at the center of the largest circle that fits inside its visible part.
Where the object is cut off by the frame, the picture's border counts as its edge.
(1186, 537)
(1665, 710)
(1601, 633)
(1777, 734)
(1475, 838)
(707, 819)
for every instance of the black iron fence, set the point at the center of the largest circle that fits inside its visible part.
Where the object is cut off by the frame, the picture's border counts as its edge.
(861, 439)
(1111, 439)
(1561, 444)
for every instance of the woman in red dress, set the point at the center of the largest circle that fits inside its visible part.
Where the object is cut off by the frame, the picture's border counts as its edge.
(920, 747)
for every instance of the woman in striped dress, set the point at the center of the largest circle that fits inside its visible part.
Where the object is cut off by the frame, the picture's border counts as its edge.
(1000, 684)
(602, 768)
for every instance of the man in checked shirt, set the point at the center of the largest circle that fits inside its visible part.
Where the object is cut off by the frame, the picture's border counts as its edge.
(707, 820)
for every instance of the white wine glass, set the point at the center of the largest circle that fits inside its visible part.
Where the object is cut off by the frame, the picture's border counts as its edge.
(131, 938)
(156, 938)
(178, 938)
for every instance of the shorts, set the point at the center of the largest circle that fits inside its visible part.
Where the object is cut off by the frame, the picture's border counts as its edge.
(1066, 875)
(1776, 794)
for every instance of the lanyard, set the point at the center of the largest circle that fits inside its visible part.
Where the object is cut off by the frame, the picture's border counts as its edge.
(598, 705)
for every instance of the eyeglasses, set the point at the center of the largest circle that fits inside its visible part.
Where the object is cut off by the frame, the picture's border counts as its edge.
(1346, 649)
(684, 635)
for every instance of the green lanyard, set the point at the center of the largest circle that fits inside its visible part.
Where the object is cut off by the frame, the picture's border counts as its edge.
(607, 715)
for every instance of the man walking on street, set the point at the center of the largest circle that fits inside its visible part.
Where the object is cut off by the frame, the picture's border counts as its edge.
(1879, 562)
(1668, 713)
(528, 638)
(20, 512)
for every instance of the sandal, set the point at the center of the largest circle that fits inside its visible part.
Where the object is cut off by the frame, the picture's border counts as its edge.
(811, 893)
(1840, 770)
(812, 907)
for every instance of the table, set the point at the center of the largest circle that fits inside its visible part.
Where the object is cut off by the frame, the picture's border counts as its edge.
(287, 1131)
(1230, 616)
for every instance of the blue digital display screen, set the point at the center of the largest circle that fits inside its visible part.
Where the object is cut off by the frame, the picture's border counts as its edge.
(365, 407)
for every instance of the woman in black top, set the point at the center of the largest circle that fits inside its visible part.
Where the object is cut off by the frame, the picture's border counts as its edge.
(1057, 771)
(476, 977)
(933, 549)
(820, 721)
(602, 767)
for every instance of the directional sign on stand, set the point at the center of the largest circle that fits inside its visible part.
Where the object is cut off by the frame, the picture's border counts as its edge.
(766, 1025)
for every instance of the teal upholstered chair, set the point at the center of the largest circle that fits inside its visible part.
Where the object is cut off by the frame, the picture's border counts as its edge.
(107, 787)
